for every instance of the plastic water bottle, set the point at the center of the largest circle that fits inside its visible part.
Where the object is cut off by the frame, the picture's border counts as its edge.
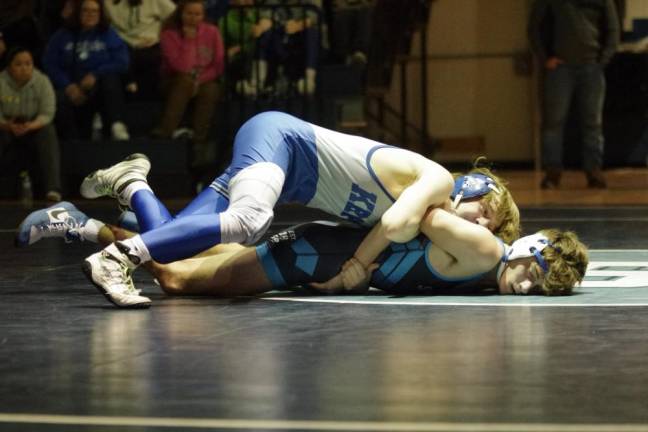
(26, 191)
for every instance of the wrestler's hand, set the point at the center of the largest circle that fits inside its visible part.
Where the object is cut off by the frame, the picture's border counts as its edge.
(356, 277)
(353, 279)
(331, 286)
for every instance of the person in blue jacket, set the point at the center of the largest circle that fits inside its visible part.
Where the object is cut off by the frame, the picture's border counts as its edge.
(84, 59)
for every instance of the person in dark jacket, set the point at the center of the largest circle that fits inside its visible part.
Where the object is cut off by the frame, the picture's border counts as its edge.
(574, 40)
(84, 60)
(18, 28)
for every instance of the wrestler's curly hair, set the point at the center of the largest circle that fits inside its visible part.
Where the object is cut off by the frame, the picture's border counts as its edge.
(567, 259)
(506, 211)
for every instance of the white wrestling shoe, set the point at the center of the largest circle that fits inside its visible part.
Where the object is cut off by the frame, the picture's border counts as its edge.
(111, 181)
(110, 271)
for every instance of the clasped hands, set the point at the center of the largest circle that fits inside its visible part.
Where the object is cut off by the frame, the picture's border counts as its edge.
(353, 279)
(19, 129)
(77, 92)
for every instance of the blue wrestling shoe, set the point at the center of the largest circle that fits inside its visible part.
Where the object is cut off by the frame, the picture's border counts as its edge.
(62, 220)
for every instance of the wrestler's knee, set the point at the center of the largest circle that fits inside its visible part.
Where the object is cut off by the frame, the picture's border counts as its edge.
(245, 225)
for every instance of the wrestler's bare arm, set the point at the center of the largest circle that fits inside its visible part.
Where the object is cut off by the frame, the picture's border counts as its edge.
(463, 248)
(417, 182)
(473, 248)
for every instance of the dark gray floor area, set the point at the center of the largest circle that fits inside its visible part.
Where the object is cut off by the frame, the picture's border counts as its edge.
(65, 351)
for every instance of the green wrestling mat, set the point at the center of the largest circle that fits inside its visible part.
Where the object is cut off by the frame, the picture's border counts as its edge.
(615, 278)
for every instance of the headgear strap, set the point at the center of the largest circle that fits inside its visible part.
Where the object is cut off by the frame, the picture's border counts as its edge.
(530, 246)
(472, 186)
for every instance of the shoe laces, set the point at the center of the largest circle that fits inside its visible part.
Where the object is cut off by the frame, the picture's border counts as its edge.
(105, 189)
(74, 230)
(119, 275)
(53, 228)
(69, 229)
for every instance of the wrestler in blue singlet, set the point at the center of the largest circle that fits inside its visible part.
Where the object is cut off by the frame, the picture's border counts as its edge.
(314, 252)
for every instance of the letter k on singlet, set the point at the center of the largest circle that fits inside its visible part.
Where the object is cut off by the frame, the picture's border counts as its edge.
(359, 206)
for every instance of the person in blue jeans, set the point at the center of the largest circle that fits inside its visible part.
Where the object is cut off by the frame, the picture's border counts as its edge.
(574, 40)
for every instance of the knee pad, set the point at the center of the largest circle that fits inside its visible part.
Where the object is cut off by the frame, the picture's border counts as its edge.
(245, 222)
(254, 191)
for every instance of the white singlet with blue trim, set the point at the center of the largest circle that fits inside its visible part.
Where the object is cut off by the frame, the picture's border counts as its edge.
(323, 169)
(346, 185)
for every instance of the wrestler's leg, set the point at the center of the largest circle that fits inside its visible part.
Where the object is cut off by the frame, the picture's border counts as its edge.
(233, 273)
(111, 233)
(195, 276)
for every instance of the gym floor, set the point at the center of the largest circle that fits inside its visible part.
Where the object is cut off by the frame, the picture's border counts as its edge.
(70, 361)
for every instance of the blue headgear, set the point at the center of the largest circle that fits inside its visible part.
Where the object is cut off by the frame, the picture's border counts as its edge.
(530, 246)
(472, 186)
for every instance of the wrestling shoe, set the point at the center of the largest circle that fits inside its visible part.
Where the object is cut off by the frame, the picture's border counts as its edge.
(110, 271)
(111, 181)
(61, 220)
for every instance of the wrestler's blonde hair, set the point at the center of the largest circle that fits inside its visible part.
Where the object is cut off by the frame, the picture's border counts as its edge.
(567, 258)
(506, 211)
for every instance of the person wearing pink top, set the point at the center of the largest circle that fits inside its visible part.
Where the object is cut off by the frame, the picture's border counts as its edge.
(192, 62)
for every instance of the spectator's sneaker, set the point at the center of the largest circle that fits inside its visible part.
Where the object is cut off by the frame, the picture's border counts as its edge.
(61, 220)
(119, 132)
(111, 181)
(358, 58)
(110, 271)
(97, 127)
(53, 196)
(248, 88)
(306, 86)
(182, 134)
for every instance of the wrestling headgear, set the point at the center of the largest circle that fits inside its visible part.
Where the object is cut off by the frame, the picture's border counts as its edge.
(472, 186)
(530, 246)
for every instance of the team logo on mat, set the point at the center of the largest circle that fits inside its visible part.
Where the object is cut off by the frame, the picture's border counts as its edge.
(622, 274)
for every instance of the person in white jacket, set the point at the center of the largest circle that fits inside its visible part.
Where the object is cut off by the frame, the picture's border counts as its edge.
(139, 23)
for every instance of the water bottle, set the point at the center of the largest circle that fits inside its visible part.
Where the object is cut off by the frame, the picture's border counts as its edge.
(26, 192)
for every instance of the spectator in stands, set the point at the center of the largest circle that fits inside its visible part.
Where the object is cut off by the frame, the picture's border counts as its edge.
(237, 28)
(84, 60)
(289, 35)
(52, 14)
(216, 9)
(574, 41)
(351, 30)
(18, 28)
(27, 106)
(139, 23)
(192, 62)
